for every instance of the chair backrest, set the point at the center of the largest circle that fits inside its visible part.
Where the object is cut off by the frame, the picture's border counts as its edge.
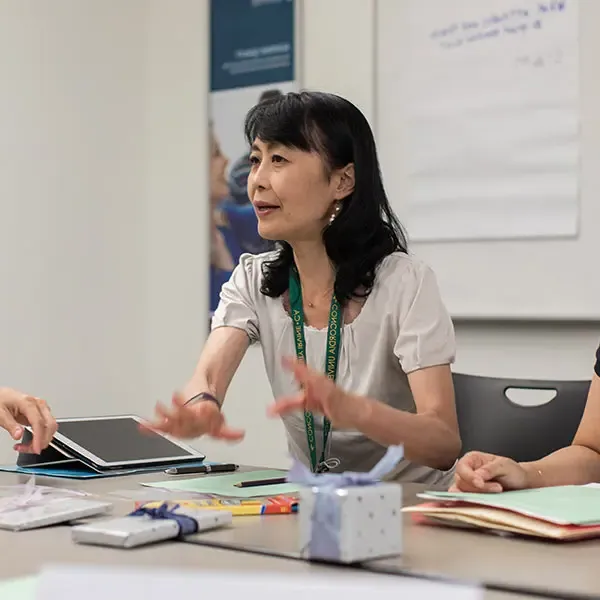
(490, 422)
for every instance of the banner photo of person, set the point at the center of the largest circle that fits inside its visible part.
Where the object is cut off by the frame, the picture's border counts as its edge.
(252, 59)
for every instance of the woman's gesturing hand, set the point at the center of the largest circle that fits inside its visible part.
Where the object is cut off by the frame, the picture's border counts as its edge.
(320, 395)
(186, 421)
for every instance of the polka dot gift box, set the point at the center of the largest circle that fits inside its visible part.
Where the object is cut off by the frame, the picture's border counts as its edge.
(350, 517)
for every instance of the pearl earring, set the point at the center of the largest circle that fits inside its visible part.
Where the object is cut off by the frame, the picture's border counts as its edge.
(334, 214)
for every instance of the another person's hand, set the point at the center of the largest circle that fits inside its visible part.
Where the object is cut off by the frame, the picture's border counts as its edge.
(18, 409)
(320, 395)
(481, 472)
(192, 420)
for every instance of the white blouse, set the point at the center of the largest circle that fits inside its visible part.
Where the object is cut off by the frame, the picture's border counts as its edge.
(403, 326)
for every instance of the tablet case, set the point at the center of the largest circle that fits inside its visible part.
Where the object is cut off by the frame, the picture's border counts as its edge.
(56, 462)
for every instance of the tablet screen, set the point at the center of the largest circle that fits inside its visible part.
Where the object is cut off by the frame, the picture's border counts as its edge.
(116, 440)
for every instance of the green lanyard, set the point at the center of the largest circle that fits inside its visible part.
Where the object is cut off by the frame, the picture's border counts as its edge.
(334, 335)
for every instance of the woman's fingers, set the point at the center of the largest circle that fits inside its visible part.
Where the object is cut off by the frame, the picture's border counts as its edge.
(50, 424)
(163, 412)
(318, 393)
(178, 400)
(30, 410)
(229, 434)
(462, 485)
(492, 487)
(162, 422)
(288, 404)
(147, 427)
(480, 472)
(189, 421)
(468, 469)
(298, 368)
(8, 422)
(497, 468)
(309, 378)
(465, 472)
(505, 471)
(290, 363)
(216, 426)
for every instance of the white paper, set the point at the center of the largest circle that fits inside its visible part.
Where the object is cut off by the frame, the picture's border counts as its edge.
(26, 495)
(492, 131)
(99, 583)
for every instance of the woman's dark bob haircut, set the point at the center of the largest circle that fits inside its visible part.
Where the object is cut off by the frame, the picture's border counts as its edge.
(365, 230)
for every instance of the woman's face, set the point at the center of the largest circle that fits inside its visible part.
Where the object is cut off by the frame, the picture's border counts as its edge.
(218, 163)
(293, 196)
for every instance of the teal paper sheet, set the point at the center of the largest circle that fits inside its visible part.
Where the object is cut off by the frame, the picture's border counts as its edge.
(224, 485)
(564, 505)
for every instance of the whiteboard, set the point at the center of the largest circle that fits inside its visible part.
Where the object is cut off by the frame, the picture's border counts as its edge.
(537, 278)
(492, 119)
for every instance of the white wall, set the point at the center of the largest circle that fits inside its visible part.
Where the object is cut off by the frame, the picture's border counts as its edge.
(103, 248)
(176, 199)
(71, 202)
(103, 170)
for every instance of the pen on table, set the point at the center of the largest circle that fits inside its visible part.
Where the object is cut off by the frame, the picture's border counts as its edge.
(257, 482)
(201, 469)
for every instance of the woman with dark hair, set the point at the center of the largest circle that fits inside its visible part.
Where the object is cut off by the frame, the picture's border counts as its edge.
(364, 319)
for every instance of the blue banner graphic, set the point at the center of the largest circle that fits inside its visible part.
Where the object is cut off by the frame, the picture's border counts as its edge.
(252, 43)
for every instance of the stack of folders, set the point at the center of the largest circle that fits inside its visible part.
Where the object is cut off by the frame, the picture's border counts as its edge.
(564, 513)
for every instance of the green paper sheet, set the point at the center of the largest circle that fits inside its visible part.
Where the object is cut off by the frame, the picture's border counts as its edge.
(22, 588)
(223, 485)
(564, 505)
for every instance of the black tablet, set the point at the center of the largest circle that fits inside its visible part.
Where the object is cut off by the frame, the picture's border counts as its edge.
(116, 442)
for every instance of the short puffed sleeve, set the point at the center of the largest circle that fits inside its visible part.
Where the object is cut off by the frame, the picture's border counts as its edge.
(425, 330)
(238, 298)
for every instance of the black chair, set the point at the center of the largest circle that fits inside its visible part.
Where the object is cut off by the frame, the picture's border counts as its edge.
(490, 422)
